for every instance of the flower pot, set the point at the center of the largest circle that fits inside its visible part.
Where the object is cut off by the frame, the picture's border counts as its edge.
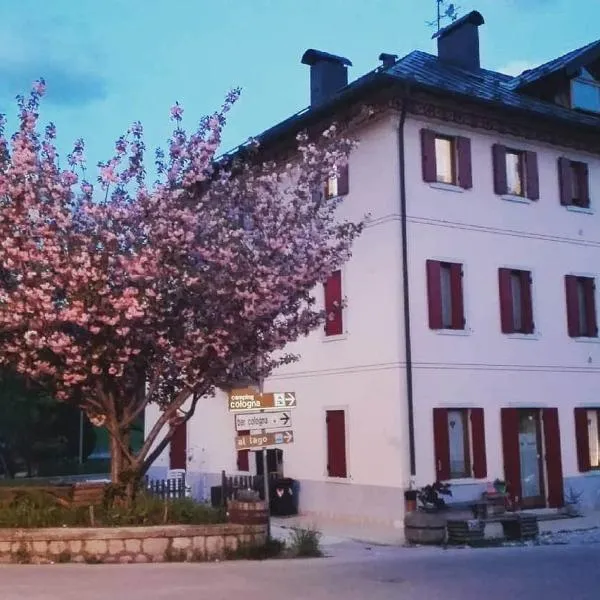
(424, 528)
(410, 500)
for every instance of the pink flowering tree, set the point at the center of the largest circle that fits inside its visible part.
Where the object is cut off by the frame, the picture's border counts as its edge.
(115, 293)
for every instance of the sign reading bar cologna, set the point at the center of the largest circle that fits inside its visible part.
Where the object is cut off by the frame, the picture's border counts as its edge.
(274, 414)
(244, 401)
(260, 440)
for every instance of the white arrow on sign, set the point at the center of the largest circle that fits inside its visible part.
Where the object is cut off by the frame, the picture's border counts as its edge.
(267, 420)
(284, 399)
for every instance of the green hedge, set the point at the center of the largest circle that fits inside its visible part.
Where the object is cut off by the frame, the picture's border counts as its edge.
(30, 509)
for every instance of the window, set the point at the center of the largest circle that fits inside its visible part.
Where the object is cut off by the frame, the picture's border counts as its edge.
(573, 182)
(446, 159)
(585, 93)
(334, 324)
(336, 443)
(581, 306)
(587, 433)
(243, 456)
(459, 443)
(516, 310)
(515, 172)
(339, 185)
(445, 295)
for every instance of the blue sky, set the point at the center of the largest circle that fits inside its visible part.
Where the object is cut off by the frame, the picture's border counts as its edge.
(112, 62)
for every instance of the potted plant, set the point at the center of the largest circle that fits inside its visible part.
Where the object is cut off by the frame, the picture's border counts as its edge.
(572, 502)
(428, 524)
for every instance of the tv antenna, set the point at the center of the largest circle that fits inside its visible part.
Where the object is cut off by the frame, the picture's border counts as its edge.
(445, 10)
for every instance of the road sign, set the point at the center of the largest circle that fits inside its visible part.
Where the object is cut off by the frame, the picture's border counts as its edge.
(266, 420)
(245, 400)
(262, 440)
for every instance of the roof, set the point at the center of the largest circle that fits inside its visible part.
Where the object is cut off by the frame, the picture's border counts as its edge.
(427, 71)
(570, 62)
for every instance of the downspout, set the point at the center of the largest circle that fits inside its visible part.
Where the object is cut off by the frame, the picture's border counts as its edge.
(405, 285)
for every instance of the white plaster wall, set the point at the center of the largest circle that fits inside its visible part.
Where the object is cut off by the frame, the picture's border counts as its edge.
(482, 366)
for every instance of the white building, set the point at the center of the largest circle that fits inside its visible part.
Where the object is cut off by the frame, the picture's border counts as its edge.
(468, 349)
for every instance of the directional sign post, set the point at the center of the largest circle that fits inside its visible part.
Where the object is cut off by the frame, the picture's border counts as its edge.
(245, 400)
(263, 420)
(262, 440)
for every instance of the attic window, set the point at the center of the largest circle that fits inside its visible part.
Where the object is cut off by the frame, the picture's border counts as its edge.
(585, 92)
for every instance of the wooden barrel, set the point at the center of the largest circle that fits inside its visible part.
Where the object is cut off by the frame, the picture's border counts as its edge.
(465, 531)
(424, 528)
(247, 513)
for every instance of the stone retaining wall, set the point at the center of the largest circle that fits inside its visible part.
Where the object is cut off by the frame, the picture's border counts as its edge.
(169, 543)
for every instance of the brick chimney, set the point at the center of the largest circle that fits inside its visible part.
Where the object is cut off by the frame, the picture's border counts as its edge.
(458, 43)
(328, 74)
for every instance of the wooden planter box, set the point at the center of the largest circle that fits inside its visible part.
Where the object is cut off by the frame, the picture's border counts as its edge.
(421, 527)
(465, 531)
(520, 527)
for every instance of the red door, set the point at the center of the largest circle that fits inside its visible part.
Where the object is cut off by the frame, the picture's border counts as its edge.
(178, 450)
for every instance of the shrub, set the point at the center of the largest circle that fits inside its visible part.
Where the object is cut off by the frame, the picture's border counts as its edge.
(29, 509)
(305, 543)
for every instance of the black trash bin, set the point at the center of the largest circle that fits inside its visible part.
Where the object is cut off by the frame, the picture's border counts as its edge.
(284, 497)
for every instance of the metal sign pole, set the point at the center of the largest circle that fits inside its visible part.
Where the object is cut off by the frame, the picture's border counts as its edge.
(265, 465)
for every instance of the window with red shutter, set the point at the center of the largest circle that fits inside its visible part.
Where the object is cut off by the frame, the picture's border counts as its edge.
(532, 180)
(445, 295)
(581, 306)
(516, 306)
(573, 179)
(243, 456)
(515, 172)
(336, 443)
(339, 185)
(499, 166)
(446, 159)
(333, 304)
(459, 443)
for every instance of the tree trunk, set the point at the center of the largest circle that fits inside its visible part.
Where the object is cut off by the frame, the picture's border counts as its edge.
(124, 473)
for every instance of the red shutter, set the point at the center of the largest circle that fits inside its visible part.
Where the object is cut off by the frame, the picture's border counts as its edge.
(434, 294)
(572, 305)
(532, 180)
(333, 304)
(465, 176)
(243, 456)
(499, 164)
(511, 451)
(589, 288)
(343, 183)
(178, 447)
(428, 155)
(478, 443)
(582, 438)
(441, 444)
(565, 174)
(506, 302)
(336, 443)
(584, 185)
(456, 287)
(553, 457)
(527, 302)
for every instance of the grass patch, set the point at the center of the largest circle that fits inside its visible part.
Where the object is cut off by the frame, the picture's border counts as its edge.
(31, 509)
(305, 543)
(272, 548)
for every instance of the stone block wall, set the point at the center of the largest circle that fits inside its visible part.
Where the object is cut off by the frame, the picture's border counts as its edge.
(169, 543)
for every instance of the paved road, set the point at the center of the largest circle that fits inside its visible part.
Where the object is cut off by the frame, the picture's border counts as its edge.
(551, 573)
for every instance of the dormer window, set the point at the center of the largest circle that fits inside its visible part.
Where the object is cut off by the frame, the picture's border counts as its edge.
(585, 92)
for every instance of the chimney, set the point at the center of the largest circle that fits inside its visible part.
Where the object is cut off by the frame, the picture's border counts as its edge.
(388, 60)
(458, 43)
(328, 74)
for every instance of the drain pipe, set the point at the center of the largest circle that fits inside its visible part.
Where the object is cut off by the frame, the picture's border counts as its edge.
(405, 286)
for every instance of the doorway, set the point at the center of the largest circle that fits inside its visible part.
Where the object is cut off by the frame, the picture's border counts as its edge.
(531, 461)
